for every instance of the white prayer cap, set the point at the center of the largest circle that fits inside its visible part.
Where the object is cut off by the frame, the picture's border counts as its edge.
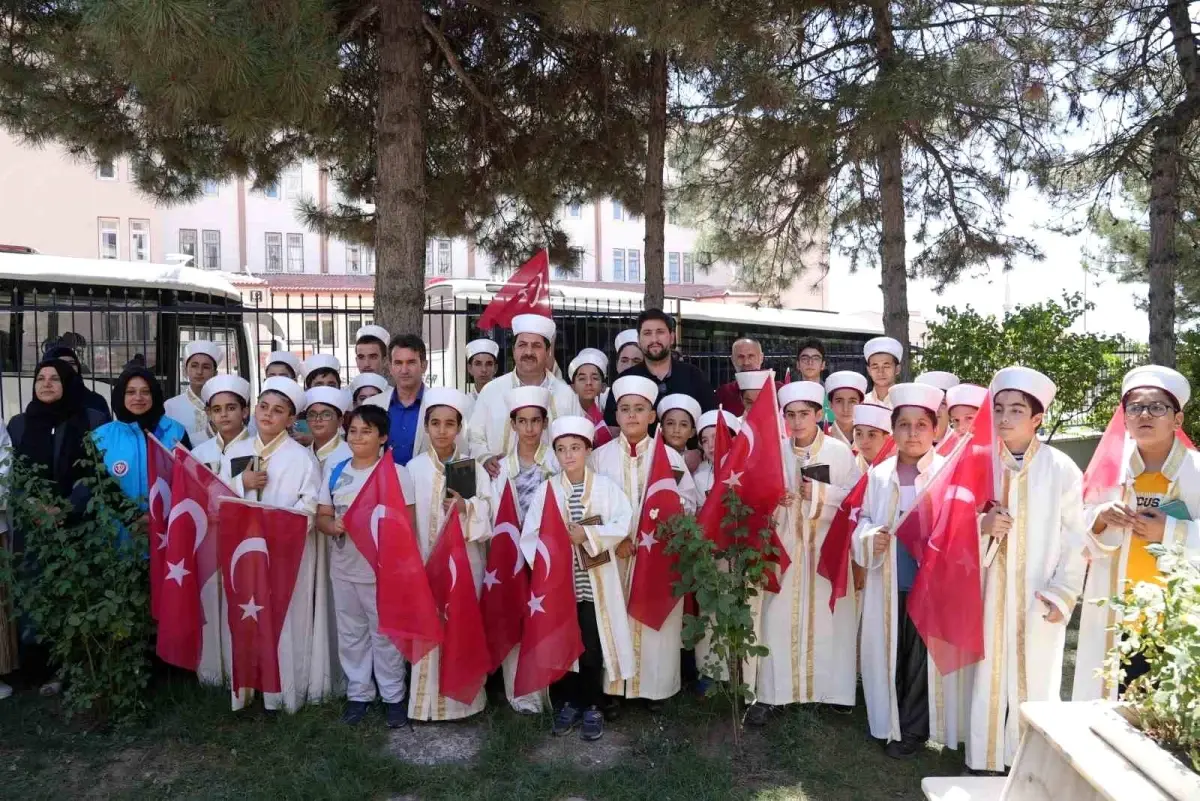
(330, 396)
(202, 347)
(446, 396)
(846, 379)
(225, 383)
(521, 397)
(938, 378)
(971, 395)
(533, 324)
(572, 425)
(883, 345)
(809, 391)
(284, 357)
(322, 361)
(368, 380)
(477, 346)
(710, 419)
(627, 337)
(376, 331)
(754, 379)
(635, 385)
(285, 387)
(1026, 380)
(1164, 378)
(678, 400)
(869, 414)
(591, 356)
(922, 395)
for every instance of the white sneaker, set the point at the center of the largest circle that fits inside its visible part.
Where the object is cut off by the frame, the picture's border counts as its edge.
(5, 691)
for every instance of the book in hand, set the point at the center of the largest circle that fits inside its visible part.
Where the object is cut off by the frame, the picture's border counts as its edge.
(816, 472)
(239, 464)
(460, 477)
(1176, 509)
(588, 561)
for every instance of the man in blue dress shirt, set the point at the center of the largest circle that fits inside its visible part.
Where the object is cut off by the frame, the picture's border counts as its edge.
(407, 363)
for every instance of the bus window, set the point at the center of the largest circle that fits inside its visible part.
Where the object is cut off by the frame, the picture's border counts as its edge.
(222, 333)
(105, 334)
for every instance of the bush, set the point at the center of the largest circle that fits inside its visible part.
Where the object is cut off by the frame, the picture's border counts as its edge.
(82, 588)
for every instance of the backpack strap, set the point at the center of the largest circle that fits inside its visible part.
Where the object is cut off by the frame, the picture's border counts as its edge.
(336, 473)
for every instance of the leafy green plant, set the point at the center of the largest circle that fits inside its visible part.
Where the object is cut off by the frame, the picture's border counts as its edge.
(725, 583)
(82, 588)
(1162, 622)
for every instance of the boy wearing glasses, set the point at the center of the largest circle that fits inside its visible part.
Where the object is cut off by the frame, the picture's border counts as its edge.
(325, 408)
(1154, 498)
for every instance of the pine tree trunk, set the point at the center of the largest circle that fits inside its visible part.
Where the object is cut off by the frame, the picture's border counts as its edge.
(892, 262)
(400, 154)
(656, 218)
(1164, 211)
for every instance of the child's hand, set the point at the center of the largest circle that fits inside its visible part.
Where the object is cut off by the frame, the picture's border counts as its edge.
(625, 549)
(578, 535)
(254, 479)
(454, 499)
(338, 526)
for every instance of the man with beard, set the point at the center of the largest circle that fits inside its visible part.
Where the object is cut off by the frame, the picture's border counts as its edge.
(656, 337)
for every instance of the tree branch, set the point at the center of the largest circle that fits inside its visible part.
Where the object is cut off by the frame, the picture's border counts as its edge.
(455, 65)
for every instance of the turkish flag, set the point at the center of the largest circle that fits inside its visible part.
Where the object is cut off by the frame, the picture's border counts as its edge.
(550, 641)
(160, 466)
(1106, 469)
(379, 525)
(834, 562)
(602, 436)
(941, 531)
(465, 661)
(526, 292)
(712, 514)
(652, 589)
(946, 446)
(505, 582)
(261, 548)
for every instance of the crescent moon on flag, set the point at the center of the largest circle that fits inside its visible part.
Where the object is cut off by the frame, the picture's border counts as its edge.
(748, 433)
(378, 513)
(248, 545)
(515, 535)
(453, 573)
(192, 509)
(959, 495)
(162, 491)
(545, 553)
(662, 485)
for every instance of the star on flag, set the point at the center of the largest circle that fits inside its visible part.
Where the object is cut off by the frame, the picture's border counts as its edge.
(176, 572)
(250, 610)
(535, 604)
(734, 480)
(162, 540)
(854, 514)
(646, 540)
(490, 580)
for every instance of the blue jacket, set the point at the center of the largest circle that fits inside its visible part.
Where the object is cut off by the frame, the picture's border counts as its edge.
(124, 449)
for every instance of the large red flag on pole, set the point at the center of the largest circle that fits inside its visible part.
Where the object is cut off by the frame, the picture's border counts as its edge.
(526, 292)
(505, 582)
(834, 563)
(551, 640)
(712, 513)
(160, 468)
(652, 589)
(941, 531)
(464, 662)
(260, 550)
(379, 525)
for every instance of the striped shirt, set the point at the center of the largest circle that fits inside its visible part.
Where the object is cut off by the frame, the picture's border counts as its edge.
(575, 511)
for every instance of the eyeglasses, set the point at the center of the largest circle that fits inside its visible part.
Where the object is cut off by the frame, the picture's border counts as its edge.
(810, 359)
(320, 417)
(1155, 408)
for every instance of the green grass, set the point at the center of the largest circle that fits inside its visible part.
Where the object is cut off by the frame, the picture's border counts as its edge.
(193, 746)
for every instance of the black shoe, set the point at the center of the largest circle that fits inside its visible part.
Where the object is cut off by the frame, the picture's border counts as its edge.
(655, 707)
(593, 725)
(354, 712)
(902, 749)
(566, 719)
(757, 715)
(611, 708)
(840, 709)
(397, 715)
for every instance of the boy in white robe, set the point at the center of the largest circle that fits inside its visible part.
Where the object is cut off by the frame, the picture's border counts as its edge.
(322, 370)
(326, 407)
(367, 657)
(704, 474)
(811, 650)
(626, 460)
(443, 410)
(200, 361)
(872, 428)
(907, 701)
(580, 493)
(1031, 546)
(285, 474)
(962, 404)
(229, 451)
(1157, 472)
(845, 390)
(482, 356)
(943, 381)
(367, 385)
(883, 355)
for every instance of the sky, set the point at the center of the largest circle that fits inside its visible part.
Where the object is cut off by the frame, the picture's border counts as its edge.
(1028, 282)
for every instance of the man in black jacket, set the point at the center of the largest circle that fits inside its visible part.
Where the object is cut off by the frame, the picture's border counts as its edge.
(656, 338)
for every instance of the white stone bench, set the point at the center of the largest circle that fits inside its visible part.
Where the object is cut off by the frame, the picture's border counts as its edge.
(963, 788)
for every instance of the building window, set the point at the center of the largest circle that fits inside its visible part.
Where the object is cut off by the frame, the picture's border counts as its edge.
(445, 262)
(355, 322)
(618, 264)
(106, 170)
(318, 329)
(209, 187)
(353, 260)
(368, 262)
(672, 268)
(618, 211)
(139, 240)
(293, 184)
(689, 269)
(574, 211)
(212, 250)
(187, 244)
(274, 260)
(633, 264)
(295, 256)
(438, 258)
(271, 190)
(110, 231)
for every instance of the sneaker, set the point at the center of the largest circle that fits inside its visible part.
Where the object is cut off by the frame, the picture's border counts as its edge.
(593, 725)
(397, 715)
(354, 712)
(566, 719)
(5, 691)
(902, 749)
(756, 715)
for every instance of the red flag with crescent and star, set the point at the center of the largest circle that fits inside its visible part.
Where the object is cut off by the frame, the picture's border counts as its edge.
(834, 562)
(652, 588)
(261, 548)
(603, 435)
(551, 640)
(380, 526)
(160, 468)
(505, 582)
(464, 660)
(526, 292)
(712, 513)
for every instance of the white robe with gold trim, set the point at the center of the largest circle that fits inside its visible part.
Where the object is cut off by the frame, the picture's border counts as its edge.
(490, 434)
(189, 411)
(878, 401)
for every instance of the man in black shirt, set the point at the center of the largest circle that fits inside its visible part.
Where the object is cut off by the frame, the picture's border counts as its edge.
(656, 338)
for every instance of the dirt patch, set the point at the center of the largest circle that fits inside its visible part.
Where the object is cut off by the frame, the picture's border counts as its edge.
(131, 768)
(610, 750)
(436, 743)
